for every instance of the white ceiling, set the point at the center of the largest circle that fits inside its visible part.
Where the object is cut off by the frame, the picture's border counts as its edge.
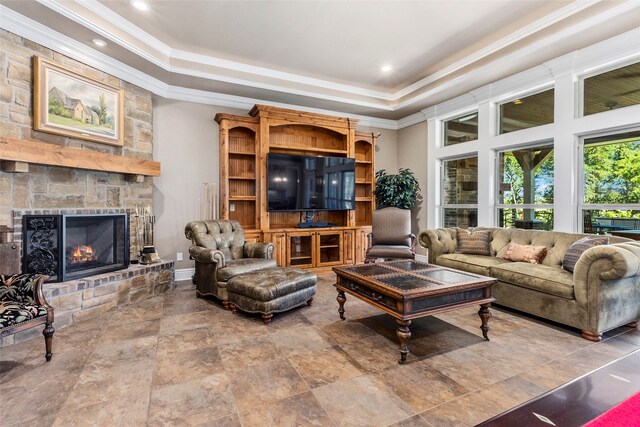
(328, 54)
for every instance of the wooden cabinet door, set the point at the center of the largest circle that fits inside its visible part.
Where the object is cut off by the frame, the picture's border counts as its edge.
(301, 249)
(362, 243)
(252, 236)
(329, 248)
(349, 246)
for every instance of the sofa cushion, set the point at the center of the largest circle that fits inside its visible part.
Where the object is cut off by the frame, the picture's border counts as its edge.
(478, 264)
(474, 243)
(550, 280)
(14, 313)
(389, 251)
(574, 252)
(243, 265)
(525, 253)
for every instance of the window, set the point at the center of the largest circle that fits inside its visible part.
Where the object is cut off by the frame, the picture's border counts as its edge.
(461, 129)
(460, 192)
(525, 188)
(522, 113)
(614, 89)
(611, 183)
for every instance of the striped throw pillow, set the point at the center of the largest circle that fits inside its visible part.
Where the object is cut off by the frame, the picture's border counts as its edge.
(476, 243)
(575, 251)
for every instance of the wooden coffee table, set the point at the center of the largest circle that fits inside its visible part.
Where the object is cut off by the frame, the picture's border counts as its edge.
(411, 289)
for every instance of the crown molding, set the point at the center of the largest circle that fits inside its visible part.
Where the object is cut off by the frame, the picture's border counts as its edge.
(38, 33)
(172, 54)
(534, 27)
(412, 120)
(379, 99)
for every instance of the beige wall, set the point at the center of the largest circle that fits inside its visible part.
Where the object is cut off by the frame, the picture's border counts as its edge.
(412, 154)
(386, 148)
(186, 145)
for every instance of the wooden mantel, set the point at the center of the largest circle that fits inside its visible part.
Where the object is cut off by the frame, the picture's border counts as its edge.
(17, 153)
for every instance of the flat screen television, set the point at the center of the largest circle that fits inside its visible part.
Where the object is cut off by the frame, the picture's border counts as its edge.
(309, 183)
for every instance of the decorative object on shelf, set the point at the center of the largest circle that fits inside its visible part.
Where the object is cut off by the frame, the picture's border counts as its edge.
(400, 190)
(71, 104)
(144, 230)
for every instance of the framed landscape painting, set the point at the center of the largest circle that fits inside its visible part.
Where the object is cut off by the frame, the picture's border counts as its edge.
(70, 104)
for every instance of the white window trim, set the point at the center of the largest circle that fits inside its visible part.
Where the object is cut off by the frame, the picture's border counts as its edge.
(566, 131)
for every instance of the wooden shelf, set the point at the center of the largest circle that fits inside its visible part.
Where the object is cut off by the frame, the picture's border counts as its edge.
(364, 199)
(246, 178)
(300, 257)
(42, 153)
(329, 246)
(309, 149)
(368, 162)
(242, 198)
(242, 153)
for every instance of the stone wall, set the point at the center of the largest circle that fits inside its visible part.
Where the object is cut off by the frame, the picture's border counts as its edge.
(87, 298)
(49, 187)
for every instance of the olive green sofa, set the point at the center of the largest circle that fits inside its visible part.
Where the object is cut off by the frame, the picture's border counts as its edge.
(602, 293)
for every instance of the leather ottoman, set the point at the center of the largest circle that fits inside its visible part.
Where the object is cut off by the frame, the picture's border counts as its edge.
(272, 290)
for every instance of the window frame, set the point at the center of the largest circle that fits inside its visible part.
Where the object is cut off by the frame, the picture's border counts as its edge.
(442, 206)
(595, 71)
(518, 95)
(498, 180)
(581, 205)
(457, 115)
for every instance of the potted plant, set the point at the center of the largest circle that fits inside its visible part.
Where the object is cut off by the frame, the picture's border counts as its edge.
(399, 190)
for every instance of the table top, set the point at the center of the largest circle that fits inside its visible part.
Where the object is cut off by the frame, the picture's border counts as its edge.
(412, 279)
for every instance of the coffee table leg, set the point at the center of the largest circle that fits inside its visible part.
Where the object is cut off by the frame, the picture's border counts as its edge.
(404, 333)
(341, 300)
(485, 315)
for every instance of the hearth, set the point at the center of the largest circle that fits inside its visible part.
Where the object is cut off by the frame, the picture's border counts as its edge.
(68, 247)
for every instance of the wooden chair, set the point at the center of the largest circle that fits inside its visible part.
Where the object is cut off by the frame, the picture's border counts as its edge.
(23, 306)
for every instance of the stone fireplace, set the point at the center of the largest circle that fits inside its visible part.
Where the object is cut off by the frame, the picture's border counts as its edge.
(69, 247)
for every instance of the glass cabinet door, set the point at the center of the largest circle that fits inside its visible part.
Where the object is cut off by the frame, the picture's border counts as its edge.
(300, 251)
(329, 248)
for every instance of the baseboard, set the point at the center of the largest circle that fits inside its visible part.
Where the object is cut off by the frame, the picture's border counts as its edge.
(185, 273)
(422, 258)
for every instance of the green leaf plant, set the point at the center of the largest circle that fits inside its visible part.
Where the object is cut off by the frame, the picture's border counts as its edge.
(399, 190)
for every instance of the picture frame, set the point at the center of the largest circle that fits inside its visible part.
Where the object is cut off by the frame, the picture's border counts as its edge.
(68, 103)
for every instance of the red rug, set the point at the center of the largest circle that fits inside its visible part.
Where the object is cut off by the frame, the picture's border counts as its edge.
(626, 414)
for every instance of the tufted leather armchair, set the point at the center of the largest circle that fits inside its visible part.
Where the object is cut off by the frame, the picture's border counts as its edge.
(391, 236)
(220, 253)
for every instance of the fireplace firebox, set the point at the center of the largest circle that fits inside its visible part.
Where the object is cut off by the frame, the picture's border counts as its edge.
(69, 247)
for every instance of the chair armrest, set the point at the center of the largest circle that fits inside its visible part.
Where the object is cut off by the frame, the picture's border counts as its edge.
(258, 250)
(206, 255)
(604, 265)
(23, 288)
(438, 241)
(413, 243)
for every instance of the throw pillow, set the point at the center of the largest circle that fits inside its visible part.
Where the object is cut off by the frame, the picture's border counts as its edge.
(575, 251)
(476, 243)
(525, 253)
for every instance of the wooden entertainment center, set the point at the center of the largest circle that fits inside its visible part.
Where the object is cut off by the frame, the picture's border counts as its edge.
(244, 145)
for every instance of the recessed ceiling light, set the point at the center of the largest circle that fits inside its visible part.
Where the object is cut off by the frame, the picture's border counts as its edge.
(386, 68)
(517, 101)
(99, 42)
(139, 4)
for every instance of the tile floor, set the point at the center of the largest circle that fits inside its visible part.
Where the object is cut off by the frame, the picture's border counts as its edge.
(178, 360)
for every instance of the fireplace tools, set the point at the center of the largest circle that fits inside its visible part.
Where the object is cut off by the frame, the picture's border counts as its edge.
(144, 223)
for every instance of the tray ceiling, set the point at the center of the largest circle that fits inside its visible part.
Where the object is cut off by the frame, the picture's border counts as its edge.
(329, 55)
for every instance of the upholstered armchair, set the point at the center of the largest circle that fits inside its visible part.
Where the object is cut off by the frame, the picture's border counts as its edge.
(390, 236)
(220, 253)
(23, 306)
